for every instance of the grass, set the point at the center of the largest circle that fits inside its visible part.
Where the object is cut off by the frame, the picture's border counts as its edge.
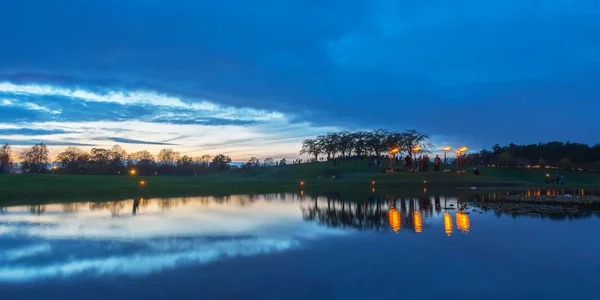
(356, 177)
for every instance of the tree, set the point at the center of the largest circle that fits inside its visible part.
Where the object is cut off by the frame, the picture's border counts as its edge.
(168, 156)
(268, 162)
(185, 161)
(283, 162)
(359, 142)
(141, 156)
(565, 163)
(253, 162)
(377, 141)
(118, 156)
(311, 147)
(100, 157)
(35, 159)
(205, 160)
(75, 160)
(413, 138)
(507, 159)
(221, 162)
(5, 158)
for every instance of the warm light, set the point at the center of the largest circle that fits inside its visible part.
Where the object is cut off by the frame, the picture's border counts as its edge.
(394, 219)
(302, 193)
(373, 190)
(448, 223)
(395, 150)
(54, 168)
(424, 190)
(547, 175)
(462, 222)
(301, 182)
(463, 149)
(418, 222)
(424, 181)
(372, 182)
(132, 172)
(142, 182)
(416, 149)
(447, 148)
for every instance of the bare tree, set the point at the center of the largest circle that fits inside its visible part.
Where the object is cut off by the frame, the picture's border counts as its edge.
(5, 158)
(35, 159)
(168, 156)
(75, 160)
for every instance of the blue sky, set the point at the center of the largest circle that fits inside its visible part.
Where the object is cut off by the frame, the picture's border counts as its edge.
(254, 78)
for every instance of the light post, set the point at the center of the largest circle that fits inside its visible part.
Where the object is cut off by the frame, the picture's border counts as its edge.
(415, 150)
(457, 159)
(459, 152)
(392, 153)
(446, 149)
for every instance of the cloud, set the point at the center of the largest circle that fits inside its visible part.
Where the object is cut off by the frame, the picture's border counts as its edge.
(47, 142)
(31, 131)
(132, 141)
(482, 72)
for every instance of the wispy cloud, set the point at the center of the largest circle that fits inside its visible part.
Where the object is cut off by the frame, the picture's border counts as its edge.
(132, 141)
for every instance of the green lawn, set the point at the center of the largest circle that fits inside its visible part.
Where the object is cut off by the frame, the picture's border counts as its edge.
(356, 176)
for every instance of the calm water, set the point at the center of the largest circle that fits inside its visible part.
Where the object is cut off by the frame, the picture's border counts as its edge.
(288, 246)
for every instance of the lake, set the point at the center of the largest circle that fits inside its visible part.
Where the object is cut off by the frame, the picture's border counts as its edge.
(292, 246)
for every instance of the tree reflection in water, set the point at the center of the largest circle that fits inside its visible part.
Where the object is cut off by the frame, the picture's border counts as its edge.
(379, 213)
(375, 213)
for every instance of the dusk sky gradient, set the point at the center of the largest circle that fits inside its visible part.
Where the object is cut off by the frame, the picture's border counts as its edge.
(255, 78)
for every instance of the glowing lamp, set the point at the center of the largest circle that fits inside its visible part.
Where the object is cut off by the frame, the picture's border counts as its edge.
(301, 182)
(142, 182)
(416, 149)
(447, 148)
(132, 172)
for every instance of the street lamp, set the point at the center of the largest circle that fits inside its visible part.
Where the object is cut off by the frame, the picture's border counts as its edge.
(458, 155)
(446, 149)
(392, 153)
(415, 150)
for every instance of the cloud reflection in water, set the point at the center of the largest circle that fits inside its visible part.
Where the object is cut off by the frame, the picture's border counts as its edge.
(118, 238)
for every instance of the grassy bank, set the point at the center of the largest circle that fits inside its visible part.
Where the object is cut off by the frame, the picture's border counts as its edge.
(351, 177)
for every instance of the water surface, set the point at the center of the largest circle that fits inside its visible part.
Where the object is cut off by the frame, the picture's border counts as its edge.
(294, 247)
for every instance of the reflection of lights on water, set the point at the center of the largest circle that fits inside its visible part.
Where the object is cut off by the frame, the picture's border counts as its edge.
(418, 222)
(373, 190)
(462, 222)
(394, 219)
(448, 223)
(302, 193)
(424, 190)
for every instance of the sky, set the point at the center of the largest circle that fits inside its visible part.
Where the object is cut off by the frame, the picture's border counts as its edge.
(255, 78)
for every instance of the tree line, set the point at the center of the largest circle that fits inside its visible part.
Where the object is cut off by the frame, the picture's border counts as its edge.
(112, 161)
(553, 154)
(373, 143)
